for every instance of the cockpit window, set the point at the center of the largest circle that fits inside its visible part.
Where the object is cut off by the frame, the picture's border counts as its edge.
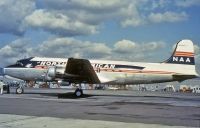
(19, 63)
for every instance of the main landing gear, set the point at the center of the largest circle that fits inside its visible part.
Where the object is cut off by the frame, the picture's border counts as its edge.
(78, 92)
(19, 90)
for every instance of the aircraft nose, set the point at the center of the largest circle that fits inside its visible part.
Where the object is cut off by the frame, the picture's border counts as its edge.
(1, 71)
(11, 66)
(7, 71)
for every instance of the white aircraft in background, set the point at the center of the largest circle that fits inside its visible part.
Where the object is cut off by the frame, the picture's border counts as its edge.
(179, 67)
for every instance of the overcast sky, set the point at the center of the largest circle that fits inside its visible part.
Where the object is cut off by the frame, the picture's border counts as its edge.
(132, 30)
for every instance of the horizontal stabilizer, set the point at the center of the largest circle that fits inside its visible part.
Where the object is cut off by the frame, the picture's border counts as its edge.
(183, 77)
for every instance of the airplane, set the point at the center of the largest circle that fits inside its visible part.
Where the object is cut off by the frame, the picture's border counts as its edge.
(179, 67)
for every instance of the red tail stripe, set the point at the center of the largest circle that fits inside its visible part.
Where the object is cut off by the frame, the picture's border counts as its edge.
(183, 55)
(185, 52)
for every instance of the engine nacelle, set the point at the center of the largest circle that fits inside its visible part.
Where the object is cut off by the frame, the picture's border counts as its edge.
(51, 72)
(55, 72)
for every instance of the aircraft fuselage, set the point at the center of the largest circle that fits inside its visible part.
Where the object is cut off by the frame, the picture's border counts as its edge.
(110, 72)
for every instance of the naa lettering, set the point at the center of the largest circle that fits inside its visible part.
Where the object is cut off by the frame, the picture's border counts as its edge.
(182, 59)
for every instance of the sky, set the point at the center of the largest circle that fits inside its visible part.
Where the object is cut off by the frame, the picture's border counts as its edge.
(128, 30)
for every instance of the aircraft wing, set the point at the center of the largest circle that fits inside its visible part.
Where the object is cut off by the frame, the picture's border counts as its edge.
(81, 70)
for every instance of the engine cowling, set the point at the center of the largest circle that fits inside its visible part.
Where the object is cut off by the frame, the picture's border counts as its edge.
(54, 72)
(51, 72)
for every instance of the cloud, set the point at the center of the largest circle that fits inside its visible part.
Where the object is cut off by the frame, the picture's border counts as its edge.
(154, 4)
(97, 12)
(12, 15)
(135, 51)
(187, 3)
(151, 46)
(82, 17)
(73, 18)
(71, 47)
(127, 46)
(124, 46)
(197, 53)
(197, 49)
(89, 5)
(58, 23)
(167, 17)
(127, 12)
(15, 50)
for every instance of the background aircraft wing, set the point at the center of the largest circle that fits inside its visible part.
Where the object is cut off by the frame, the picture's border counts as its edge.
(81, 70)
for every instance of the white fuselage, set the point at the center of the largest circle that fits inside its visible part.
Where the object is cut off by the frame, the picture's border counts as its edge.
(108, 72)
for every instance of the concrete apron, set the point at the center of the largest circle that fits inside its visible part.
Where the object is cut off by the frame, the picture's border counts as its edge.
(18, 121)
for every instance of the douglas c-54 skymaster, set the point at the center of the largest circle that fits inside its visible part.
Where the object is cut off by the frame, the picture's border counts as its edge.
(180, 66)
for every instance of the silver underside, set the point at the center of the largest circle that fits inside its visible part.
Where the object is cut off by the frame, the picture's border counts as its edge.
(26, 73)
(33, 74)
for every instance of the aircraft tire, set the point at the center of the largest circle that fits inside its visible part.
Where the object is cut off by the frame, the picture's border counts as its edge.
(19, 90)
(78, 92)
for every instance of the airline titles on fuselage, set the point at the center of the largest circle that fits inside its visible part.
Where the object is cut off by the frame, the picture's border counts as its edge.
(94, 65)
(107, 66)
(50, 63)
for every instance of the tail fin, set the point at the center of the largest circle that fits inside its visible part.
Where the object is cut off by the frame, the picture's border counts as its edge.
(183, 53)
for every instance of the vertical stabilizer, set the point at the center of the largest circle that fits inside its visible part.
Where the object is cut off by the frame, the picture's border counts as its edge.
(183, 53)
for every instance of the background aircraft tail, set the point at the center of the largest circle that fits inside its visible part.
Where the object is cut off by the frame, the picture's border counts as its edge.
(183, 53)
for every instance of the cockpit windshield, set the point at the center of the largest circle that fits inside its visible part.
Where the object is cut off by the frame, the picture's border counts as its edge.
(19, 63)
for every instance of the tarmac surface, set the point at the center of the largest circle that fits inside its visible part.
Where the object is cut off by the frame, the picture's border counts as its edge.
(50, 108)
